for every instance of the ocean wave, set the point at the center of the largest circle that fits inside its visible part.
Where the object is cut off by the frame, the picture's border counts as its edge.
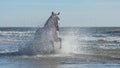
(114, 31)
(2, 33)
(101, 39)
(72, 58)
(94, 46)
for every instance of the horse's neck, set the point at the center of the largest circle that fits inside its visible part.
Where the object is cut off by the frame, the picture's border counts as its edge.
(47, 22)
(50, 24)
(50, 27)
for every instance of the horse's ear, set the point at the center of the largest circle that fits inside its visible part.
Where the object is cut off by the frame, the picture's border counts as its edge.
(53, 13)
(58, 13)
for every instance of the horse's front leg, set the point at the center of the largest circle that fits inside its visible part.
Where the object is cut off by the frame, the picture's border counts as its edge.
(60, 40)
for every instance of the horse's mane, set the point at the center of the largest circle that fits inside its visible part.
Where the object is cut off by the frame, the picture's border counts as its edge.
(47, 21)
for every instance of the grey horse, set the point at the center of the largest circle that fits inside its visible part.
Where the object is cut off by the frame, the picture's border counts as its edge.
(46, 37)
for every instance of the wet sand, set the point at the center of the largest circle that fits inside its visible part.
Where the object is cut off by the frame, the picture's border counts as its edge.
(59, 61)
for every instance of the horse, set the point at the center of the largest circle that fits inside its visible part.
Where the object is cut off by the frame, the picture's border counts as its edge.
(46, 37)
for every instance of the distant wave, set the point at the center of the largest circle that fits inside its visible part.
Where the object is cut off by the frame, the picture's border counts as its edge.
(15, 32)
(114, 31)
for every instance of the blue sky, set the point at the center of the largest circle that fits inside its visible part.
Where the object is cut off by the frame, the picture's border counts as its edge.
(34, 13)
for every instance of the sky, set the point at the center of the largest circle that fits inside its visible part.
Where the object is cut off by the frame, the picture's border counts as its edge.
(74, 13)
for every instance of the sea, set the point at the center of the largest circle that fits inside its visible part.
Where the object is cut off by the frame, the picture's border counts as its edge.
(82, 47)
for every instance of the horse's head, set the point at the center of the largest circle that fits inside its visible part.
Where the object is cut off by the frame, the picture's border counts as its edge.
(53, 20)
(55, 16)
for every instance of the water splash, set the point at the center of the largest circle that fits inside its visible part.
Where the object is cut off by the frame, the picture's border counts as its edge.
(69, 42)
